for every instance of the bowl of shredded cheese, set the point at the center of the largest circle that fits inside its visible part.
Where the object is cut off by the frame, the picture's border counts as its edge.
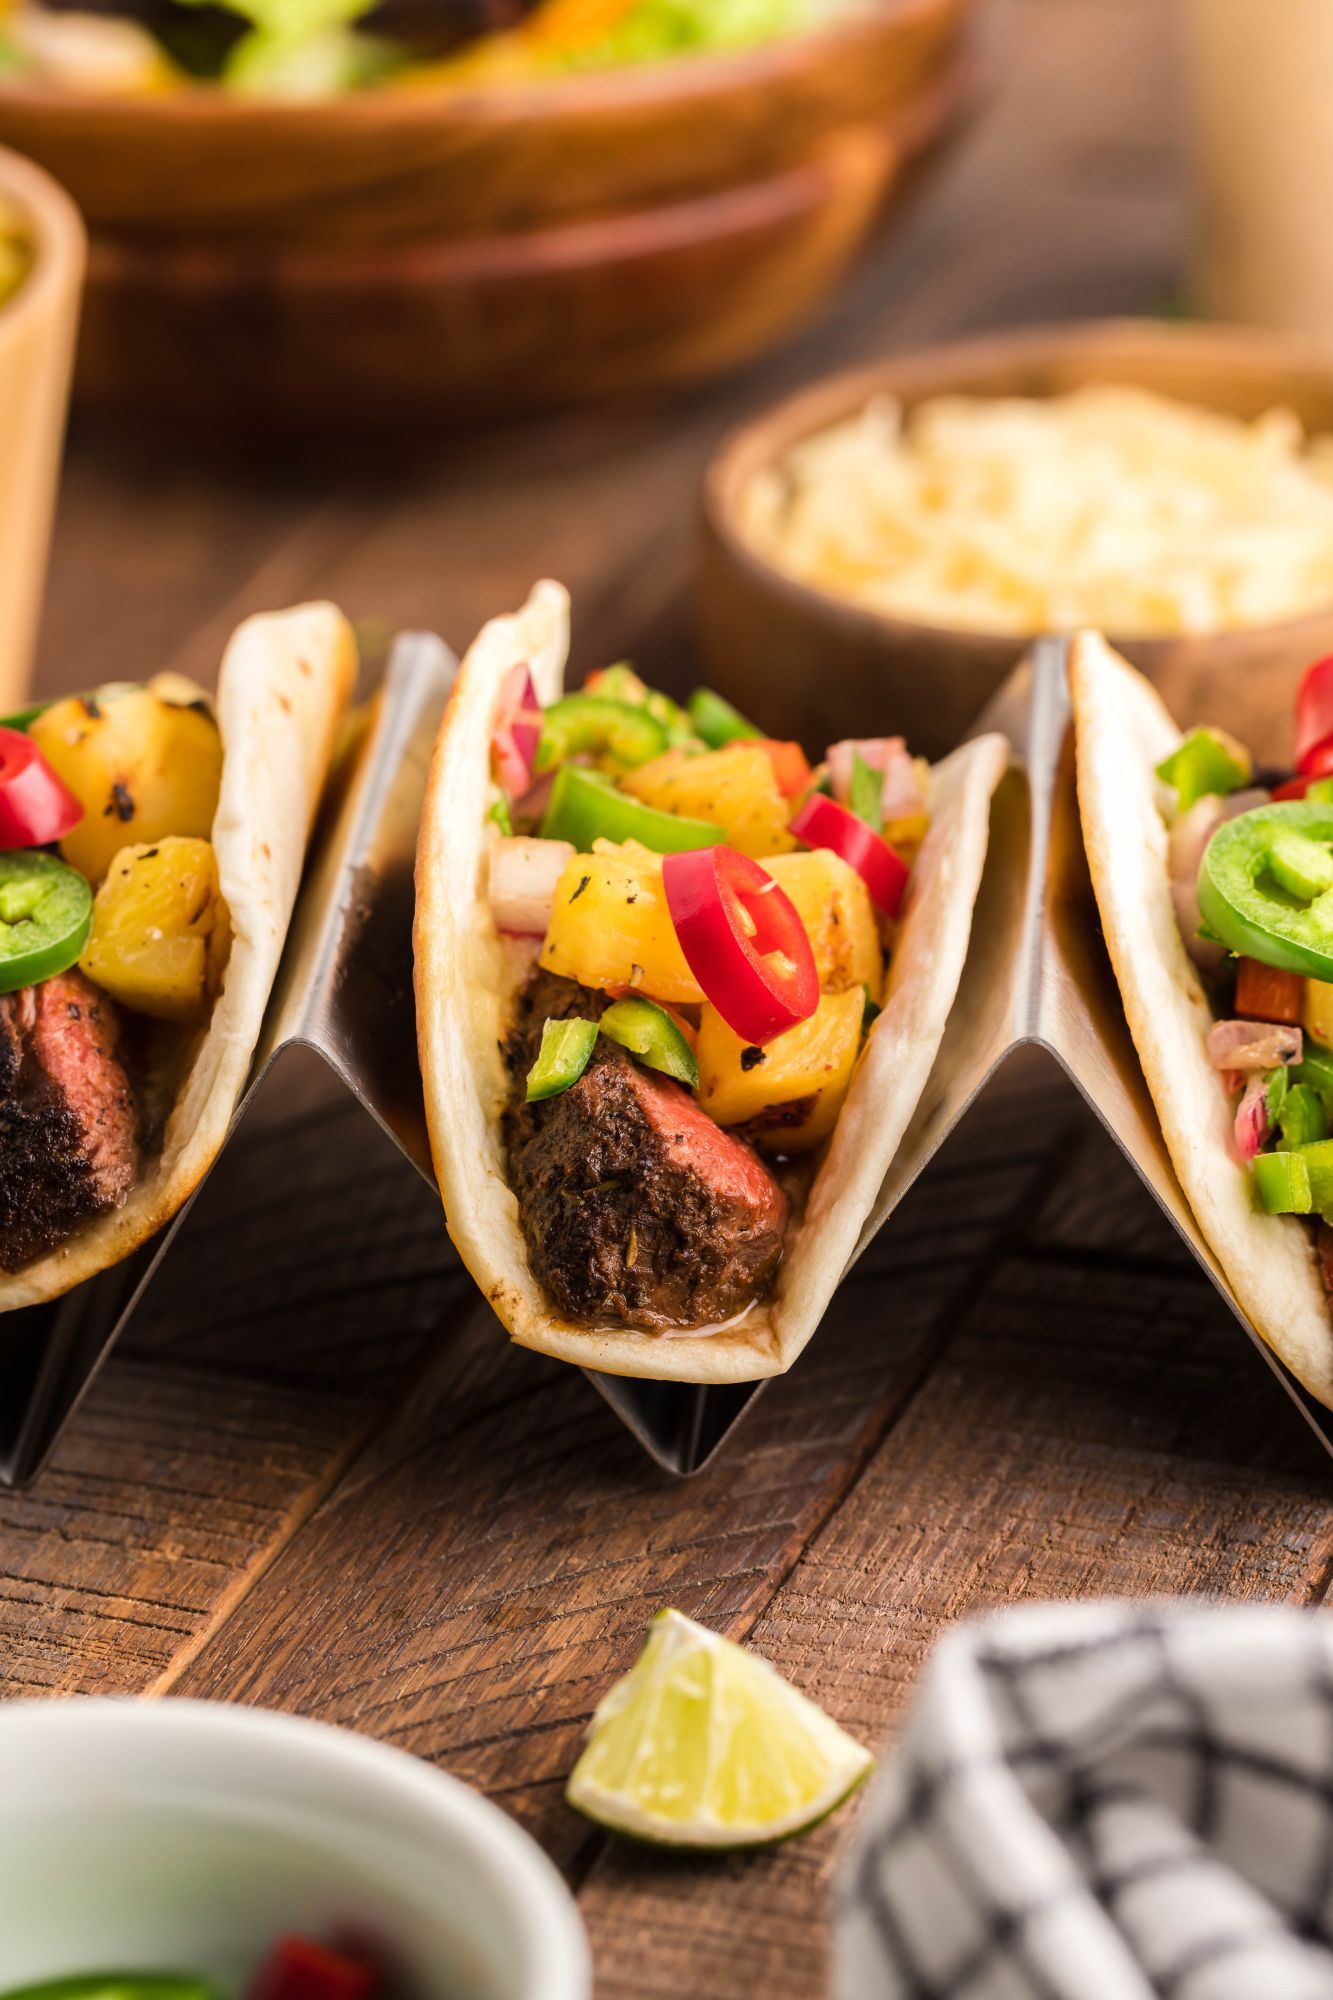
(919, 523)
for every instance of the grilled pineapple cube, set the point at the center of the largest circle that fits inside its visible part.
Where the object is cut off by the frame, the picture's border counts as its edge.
(734, 788)
(141, 767)
(160, 933)
(834, 904)
(610, 925)
(789, 1093)
(1317, 1011)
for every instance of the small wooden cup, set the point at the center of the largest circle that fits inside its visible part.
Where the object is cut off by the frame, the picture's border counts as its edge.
(822, 668)
(37, 328)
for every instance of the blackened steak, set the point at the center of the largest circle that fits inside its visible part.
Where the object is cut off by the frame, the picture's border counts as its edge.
(68, 1126)
(636, 1208)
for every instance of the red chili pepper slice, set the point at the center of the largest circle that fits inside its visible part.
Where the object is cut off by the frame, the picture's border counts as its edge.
(822, 822)
(742, 940)
(299, 1969)
(1314, 712)
(1318, 764)
(36, 807)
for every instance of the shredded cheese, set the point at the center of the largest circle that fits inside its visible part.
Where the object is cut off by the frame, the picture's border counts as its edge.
(1108, 506)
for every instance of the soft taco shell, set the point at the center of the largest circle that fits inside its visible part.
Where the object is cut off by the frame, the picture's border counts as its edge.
(465, 987)
(284, 682)
(1123, 732)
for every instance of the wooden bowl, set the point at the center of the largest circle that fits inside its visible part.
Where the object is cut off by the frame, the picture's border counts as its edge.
(833, 669)
(37, 328)
(441, 251)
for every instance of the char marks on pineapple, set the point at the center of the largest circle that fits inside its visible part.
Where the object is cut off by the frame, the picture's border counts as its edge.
(636, 1208)
(69, 1139)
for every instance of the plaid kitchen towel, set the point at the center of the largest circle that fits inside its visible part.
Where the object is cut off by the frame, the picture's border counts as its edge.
(1104, 1802)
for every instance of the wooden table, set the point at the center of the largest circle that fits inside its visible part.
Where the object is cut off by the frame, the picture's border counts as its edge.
(315, 1478)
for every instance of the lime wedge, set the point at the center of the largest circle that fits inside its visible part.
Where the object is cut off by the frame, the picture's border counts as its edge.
(704, 1745)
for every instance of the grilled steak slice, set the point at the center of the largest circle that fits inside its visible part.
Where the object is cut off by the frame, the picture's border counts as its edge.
(69, 1143)
(636, 1208)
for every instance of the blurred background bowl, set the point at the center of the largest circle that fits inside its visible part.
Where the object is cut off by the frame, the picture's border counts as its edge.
(413, 253)
(37, 328)
(188, 1836)
(835, 669)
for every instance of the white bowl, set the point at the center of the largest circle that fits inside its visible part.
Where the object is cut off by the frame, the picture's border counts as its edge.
(179, 1835)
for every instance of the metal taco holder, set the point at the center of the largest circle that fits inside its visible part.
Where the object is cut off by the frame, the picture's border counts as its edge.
(1036, 976)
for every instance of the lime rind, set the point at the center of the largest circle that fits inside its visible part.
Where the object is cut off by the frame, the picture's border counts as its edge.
(703, 1745)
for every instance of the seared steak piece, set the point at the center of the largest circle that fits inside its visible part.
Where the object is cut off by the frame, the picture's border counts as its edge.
(636, 1208)
(69, 1143)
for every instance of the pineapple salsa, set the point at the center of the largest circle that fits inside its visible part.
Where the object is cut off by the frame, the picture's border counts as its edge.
(735, 905)
(106, 808)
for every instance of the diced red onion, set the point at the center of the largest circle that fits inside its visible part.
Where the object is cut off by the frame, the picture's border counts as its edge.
(522, 882)
(518, 731)
(1252, 1120)
(1250, 1045)
(901, 793)
(532, 806)
(1190, 835)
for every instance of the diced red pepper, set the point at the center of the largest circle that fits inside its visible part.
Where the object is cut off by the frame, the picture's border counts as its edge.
(1265, 994)
(1314, 714)
(36, 807)
(822, 822)
(791, 766)
(299, 1969)
(743, 941)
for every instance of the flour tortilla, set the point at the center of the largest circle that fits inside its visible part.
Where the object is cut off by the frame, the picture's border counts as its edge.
(284, 682)
(466, 983)
(1123, 732)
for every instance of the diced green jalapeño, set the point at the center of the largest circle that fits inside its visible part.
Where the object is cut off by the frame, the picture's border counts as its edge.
(1299, 865)
(1301, 1117)
(716, 722)
(585, 806)
(1282, 1182)
(593, 725)
(1207, 761)
(565, 1053)
(649, 1033)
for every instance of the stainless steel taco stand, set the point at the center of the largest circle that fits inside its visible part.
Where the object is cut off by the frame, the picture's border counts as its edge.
(1036, 976)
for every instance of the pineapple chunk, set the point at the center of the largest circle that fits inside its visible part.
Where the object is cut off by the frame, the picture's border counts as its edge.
(734, 788)
(610, 925)
(160, 933)
(834, 904)
(1317, 1011)
(791, 1096)
(141, 767)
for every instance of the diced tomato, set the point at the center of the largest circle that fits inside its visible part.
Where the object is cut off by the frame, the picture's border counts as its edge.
(1265, 994)
(791, 766)
(299, 1969)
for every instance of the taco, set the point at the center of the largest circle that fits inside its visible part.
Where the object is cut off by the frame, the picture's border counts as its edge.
(151, 844)
(666, 1065)
(1215, 891)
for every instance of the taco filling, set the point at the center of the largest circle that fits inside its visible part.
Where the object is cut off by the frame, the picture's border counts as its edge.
(1252, 872)
(111, 919)
(708, 921)
(151, 843)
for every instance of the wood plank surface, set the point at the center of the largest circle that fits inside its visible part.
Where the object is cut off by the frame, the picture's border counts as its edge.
(316, 1477)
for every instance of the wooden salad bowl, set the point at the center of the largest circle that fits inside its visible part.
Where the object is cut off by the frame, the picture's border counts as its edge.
(414, 252)
(836, 669)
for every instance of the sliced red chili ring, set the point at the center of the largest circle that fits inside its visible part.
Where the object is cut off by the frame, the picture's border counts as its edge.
(1314, 714)
(742, 940)
(36, 807)
(822, 822)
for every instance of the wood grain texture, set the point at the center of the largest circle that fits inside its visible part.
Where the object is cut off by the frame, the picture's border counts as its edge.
(314, 1478)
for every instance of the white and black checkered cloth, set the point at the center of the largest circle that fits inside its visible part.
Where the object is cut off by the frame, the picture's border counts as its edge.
(1104, 1802)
